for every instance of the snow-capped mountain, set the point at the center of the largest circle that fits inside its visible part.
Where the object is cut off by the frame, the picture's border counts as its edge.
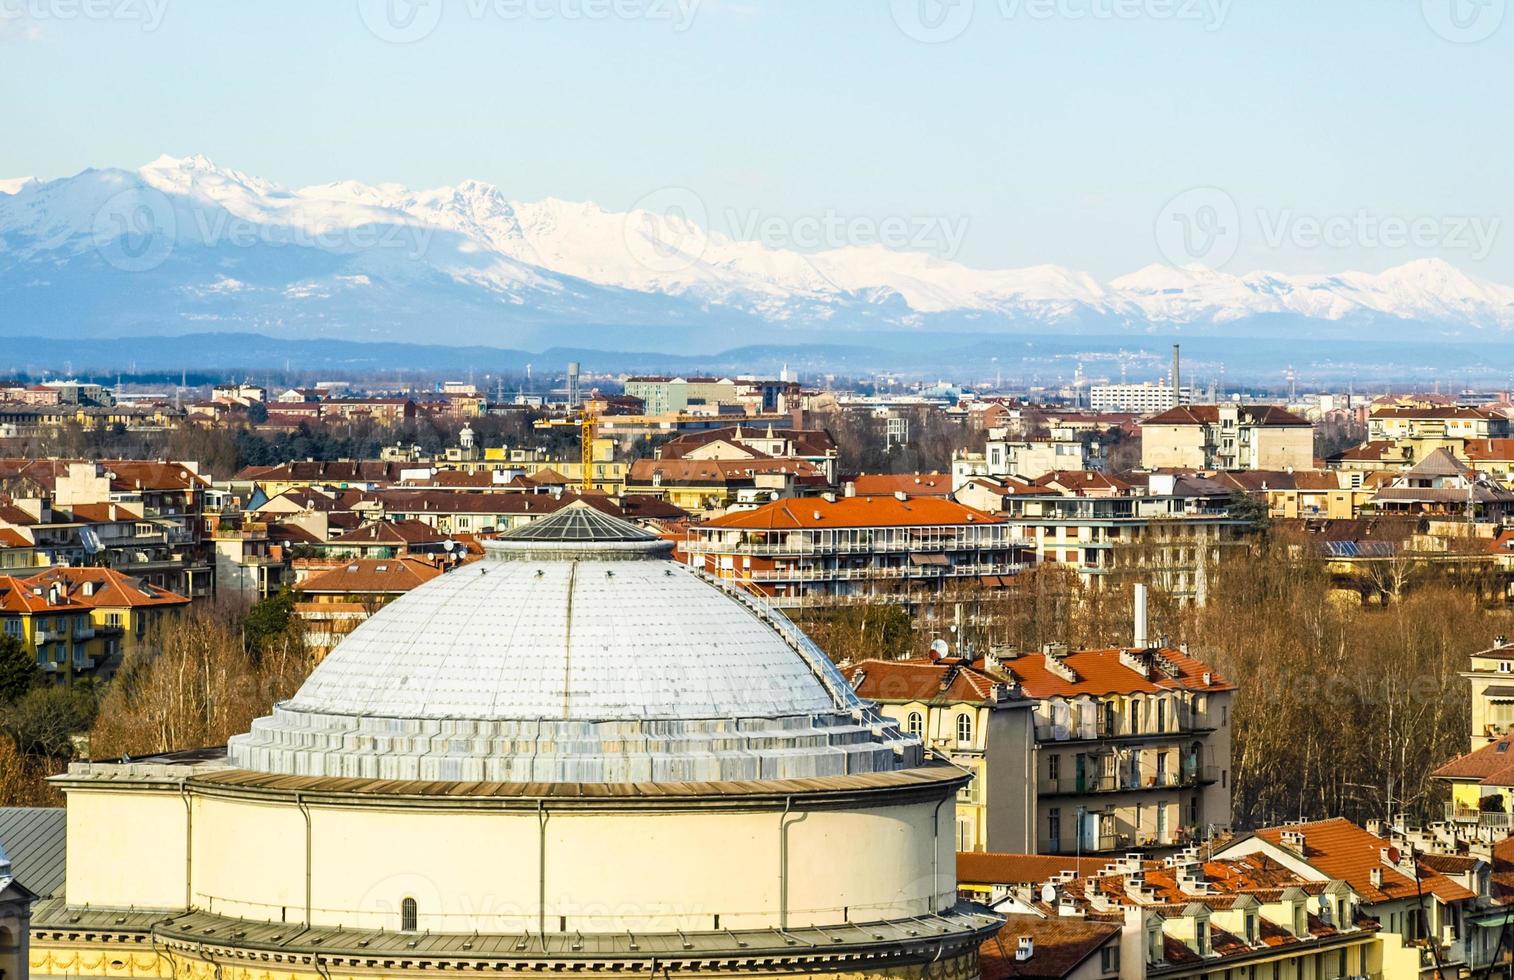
(184, 245)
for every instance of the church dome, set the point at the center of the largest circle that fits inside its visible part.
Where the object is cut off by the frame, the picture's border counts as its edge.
(575, 651)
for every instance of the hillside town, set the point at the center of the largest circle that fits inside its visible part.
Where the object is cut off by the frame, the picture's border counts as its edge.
(1037, 587)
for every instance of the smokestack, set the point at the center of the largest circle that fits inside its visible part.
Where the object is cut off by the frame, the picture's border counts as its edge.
(1142, 641)
(1177, 385)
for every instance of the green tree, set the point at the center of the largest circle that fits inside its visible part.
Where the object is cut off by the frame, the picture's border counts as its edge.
(18, 670)
(43, 723)
(268, 619)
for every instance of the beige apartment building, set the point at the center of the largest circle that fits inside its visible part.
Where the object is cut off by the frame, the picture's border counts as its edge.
(1227, 437)
(1126, 748)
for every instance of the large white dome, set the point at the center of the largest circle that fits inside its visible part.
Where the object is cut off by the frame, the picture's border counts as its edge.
(575, 652)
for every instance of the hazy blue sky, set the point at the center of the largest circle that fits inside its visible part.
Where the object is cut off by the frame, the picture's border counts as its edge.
(1058, 130)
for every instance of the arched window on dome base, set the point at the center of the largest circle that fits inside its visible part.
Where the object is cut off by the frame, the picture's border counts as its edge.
(409, 916)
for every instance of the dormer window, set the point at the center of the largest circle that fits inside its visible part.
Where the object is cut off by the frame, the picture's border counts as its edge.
(1251, 930)
(1201, 936)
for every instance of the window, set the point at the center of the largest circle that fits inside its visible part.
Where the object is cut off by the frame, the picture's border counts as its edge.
(1054, 826)
(13, 627)
(914, 724)
(964, 729)
(1109, 959)
(1201, 934)
(409, 916)
(1053, 767)
(1251, 926)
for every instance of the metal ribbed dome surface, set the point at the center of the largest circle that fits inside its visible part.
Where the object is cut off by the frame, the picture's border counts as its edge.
(575, 653)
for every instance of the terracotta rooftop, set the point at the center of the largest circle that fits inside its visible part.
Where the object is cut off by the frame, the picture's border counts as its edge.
(914, 484)
(384, 576)
(1102, 672)
(889, 511)
(1059, 945)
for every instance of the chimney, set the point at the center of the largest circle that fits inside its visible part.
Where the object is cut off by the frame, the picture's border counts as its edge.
(1142, 639)
(1025, 949)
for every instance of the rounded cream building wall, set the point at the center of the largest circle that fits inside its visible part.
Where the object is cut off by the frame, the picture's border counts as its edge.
(574, 737)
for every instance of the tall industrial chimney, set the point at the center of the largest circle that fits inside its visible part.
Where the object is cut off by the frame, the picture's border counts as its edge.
(1177, 385)
(1142, 640)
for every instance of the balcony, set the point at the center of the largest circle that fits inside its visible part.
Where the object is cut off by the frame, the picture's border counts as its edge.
(1493, 819)
(1105, 733)
(1127, 782)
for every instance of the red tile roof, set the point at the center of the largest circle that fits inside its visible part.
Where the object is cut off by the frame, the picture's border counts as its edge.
(914, 484)
(1491, 765)
(1102, 672)
(993, 868)
(1340, 849)
(384, 576)
(1271, 415)
(919, 680)
(1059, 945)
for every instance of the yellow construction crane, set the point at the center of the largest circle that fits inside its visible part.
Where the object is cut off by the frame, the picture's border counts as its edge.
(586, 449)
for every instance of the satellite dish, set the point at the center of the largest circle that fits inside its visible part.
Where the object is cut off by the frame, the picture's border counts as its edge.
(939, 649)
(1049, 893)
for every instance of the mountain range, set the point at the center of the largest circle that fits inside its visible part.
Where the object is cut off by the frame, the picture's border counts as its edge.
(184, 246)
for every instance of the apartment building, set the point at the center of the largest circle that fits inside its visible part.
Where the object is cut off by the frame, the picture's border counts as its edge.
(697, 395)
(712, 485)
(979, 721)
(76, 620)
(829, 550)
(1435, 424)
(1227, 437)
(1144, 398)
(1168, 533)
(337, 601)
(1023, 458)
(1075, 752)
(1411, 890)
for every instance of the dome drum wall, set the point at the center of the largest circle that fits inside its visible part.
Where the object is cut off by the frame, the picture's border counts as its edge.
(576, 752)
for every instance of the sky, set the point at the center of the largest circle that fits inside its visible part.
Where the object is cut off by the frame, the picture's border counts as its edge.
(1103, 135)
